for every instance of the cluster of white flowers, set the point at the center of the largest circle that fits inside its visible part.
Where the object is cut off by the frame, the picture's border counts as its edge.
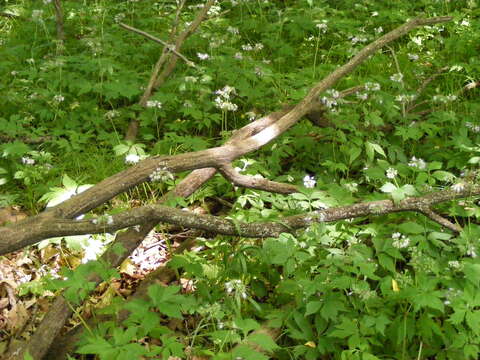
(46, 2)
(370, 86)
(58, 98)
(444, 98)
(161, 174)
(471, 251)
(236, 286)
(391, 173)
(398, 77)
(358, 39)
(250, 47)
(404, 98)
(119, 17)
(417, 40)
(458, 187)
(417, 163)
(214, 10)
(331, 99)
(454, 264)
(222, 101)
(132, 159)
(251, 115)
(238, 56)
(28, 160)
(111, 114)
(203, 56)
(154, 104)
(259, 71)
(322, 27)
(378, 30)
(474, 128)
(309, 181)
(413, 57)
(400, 241)
(362, 96)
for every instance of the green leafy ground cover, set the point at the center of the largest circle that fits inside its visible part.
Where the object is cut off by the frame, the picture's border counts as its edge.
(390, 287)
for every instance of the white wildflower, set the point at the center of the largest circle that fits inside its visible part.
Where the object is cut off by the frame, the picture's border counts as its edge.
(111, 114)
(309, 181)
(465, 22)
(258, 46)
(400, 241)
(398, 77)
(154, 104)
(471, 251)
(413, 57)
(454, 264)
(215, 10)
(374, 13)
(322, 27)
(161, 174)
(14, 73)
(458, 187)
(132, 159)
(28, 160)
(369, 86)
(31, 61)
(362, 96)
(119, 17)
(378, 30)
(417, 40)
(247, 47)
(417, 163)
(203, 56)
(238, 56)
(46, 2)
(404, 98)
(391, 173)
(58, 98)
(456, 68)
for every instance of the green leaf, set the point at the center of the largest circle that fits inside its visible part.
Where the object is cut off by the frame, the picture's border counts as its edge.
(263, 340)
(388, 187)
(313, 307)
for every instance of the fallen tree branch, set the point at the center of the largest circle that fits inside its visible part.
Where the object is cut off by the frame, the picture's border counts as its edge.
(159, 213)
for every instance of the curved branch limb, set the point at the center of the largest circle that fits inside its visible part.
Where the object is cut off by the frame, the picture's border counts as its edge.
(427, 211)
(255, 183)
(48, 228)
(169, 47)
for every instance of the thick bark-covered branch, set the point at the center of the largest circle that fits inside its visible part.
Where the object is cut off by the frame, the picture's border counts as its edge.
(159, 213)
